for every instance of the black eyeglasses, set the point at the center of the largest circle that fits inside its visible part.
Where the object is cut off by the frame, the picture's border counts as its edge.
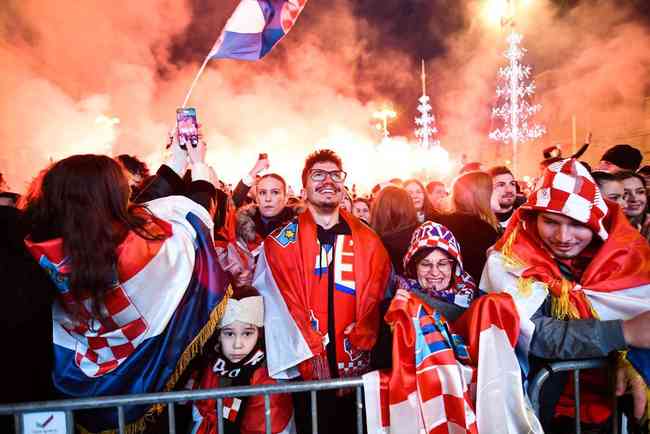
(320, 175)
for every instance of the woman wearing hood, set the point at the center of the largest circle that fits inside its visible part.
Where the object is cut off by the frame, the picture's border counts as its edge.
(433, 267)
(433, 270)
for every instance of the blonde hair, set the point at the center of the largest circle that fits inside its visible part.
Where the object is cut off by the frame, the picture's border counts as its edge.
(471, 193)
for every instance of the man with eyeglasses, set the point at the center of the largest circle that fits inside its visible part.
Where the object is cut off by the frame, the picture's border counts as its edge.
(323, 276)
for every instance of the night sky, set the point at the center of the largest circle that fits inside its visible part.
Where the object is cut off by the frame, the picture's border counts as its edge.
(417, 28)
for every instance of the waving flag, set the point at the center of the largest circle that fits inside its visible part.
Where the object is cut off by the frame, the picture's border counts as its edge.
(255, 27)
(167, 301)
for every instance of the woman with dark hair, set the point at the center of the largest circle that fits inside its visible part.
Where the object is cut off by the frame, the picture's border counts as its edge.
(636, 201)
(139, 286)
(471, 219)
(423, 206)
(394, 219)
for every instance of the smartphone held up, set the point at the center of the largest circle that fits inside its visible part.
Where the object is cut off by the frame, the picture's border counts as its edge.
(188, 127)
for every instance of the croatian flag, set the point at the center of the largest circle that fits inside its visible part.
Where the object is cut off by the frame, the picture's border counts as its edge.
(255, 28)
(450, 379)
(167, 301)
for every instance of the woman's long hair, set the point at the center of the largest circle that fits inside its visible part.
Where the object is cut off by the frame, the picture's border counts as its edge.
(392, 211)
(84, 199)
(471, 193)
(427, 207)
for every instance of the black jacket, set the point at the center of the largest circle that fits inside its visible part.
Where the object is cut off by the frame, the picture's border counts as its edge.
(397, 244)
(474, 236)
(25, 319)
(166, 182)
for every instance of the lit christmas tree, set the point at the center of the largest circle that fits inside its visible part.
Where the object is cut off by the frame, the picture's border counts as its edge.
(426, 127)
(516, 89)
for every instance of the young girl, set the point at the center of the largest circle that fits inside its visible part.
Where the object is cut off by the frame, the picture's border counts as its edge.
(237, 359)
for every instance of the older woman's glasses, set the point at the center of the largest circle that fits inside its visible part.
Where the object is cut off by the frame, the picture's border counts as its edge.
(443, 265)
(320, 175)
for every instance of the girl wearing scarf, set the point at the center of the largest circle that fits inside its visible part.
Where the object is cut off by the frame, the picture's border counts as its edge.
(237, 359)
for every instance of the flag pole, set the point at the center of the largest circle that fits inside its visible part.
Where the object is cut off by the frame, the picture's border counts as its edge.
(196, 79)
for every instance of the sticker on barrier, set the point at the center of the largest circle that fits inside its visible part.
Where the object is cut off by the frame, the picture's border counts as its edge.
(46, 422)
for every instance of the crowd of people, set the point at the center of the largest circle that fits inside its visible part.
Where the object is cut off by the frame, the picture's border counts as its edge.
(127, 282)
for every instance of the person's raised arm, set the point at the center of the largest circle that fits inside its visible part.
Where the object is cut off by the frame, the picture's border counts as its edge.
(201, 191)
(168, 180)
(243, 187)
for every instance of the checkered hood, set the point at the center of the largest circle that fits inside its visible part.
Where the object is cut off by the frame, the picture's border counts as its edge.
(567, 188)
(431, 234)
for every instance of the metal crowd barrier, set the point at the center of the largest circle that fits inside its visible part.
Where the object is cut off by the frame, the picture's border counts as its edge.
(169, 398)
(535, 385)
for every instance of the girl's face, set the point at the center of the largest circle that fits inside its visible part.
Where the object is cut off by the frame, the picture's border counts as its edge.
(417, 195)
(238, 340)
(360, 210)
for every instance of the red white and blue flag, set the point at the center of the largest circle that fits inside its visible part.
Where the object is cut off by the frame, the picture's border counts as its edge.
(615, 285)
(255, 27)
(166, 302)
(450, 379)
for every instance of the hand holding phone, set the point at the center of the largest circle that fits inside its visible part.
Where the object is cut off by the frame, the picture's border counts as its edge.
(188, 127)
(262, 163)
(197, 153)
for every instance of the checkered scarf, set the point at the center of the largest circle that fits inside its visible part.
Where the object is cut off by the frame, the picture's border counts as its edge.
(567, 188)
(435, 235)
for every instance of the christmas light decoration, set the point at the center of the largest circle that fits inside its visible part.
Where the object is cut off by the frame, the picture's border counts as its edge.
(516, 90)
(426, 121)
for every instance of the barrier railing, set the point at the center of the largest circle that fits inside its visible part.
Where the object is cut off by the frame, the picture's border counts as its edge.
(170, 398)
(68, 406)
(535, 385)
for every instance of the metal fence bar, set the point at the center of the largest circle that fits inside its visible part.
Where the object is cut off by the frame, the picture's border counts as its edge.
(267, 413)
(120, 419)
(220, 414)
(69, 422)
(314, 413)
(359, 410)
(167, 397)
(576, 394)
(576, 366)
(535, 385)
(18, 422)
(172, 418)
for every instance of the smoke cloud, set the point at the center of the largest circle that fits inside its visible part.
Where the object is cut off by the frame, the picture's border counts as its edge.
(107, 78)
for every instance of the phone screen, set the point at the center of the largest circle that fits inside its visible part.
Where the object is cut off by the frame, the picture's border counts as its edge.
(188, 129)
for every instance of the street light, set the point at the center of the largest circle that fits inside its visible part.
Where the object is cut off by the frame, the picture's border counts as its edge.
(383, 115)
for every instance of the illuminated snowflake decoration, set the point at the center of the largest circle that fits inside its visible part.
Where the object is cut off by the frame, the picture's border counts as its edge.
(426, 124)
(516, 89)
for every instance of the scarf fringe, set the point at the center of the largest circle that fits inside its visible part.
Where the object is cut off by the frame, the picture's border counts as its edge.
(509, 258)
(194, 348)
(525, 286)
(191, 351)
(561, 306)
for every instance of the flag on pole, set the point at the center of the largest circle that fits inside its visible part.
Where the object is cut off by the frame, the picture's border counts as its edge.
(255, 27)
